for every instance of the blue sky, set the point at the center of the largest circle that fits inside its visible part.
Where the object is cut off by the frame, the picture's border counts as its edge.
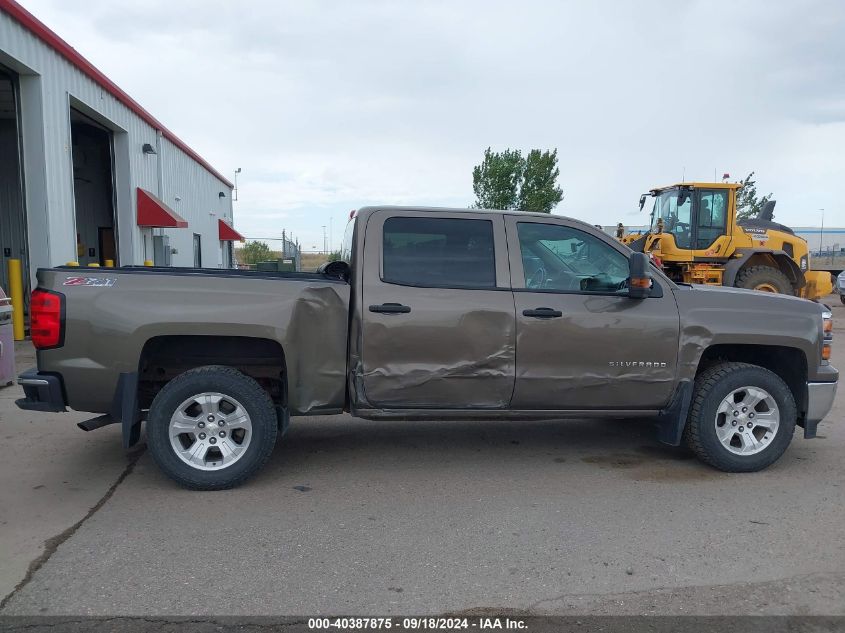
(330, 106)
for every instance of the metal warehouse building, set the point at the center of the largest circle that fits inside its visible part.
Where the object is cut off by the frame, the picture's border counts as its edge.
(88, 175)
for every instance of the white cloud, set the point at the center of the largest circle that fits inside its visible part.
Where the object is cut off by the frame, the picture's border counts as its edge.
(329, 106)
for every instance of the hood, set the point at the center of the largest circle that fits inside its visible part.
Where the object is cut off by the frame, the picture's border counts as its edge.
(753, 298)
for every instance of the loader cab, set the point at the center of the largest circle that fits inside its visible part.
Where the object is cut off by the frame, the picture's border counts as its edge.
(694, 217)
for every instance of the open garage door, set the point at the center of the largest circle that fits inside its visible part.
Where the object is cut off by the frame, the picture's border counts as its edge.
(93, 191)
(13, 242)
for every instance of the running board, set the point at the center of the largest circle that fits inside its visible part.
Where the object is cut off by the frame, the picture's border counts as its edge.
(97, 423)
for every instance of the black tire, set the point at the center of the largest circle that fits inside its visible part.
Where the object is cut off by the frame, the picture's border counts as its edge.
(227, 381)
(755, 276)
(842, 298)
(711, 387)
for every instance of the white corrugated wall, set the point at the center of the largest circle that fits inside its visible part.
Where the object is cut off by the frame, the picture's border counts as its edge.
(50, 85)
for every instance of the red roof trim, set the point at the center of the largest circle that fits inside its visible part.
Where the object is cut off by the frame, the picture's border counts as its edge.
(42, 32)
(153, 212)
(228, 234)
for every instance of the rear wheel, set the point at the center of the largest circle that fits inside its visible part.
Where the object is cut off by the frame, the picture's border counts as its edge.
(742, 417)
(842, 298)
(211, 428)
(765, 279)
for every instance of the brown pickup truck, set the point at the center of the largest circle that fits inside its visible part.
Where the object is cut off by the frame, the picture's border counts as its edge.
(433, 314)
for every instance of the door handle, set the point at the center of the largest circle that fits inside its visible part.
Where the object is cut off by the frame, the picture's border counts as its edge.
(542, 313)
(390, 308)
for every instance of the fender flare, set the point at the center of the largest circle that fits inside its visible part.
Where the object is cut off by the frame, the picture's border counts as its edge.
(785, 263)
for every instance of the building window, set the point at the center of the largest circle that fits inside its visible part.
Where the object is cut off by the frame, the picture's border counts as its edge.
(197, 250)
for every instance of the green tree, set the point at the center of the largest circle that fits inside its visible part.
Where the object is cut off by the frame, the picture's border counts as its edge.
(539, 190)
(255, 252)
(507, 180)
(748, 204)
(496, 180)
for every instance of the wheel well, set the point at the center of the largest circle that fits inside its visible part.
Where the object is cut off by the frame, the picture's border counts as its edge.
(780, 262)
(789, 363)
(165, 357)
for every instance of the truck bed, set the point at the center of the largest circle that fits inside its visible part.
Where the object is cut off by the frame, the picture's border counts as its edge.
(114, 314)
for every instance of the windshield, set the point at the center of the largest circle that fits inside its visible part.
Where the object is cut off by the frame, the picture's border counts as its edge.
(674, 217)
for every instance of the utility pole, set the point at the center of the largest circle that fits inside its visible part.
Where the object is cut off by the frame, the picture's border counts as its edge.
(324, 239)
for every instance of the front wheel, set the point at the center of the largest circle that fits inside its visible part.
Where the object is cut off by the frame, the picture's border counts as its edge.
(742, 417)
(211, 428)
(842, 298)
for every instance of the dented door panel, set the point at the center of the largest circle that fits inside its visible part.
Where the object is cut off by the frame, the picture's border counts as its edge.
(441, 347)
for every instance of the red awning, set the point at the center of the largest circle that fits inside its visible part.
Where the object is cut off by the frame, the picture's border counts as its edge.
(228, 234)
(153, 212)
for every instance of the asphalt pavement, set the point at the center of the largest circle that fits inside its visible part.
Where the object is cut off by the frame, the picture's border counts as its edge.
(356, 517)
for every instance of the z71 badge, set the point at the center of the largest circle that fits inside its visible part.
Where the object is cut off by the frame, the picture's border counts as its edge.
(99, 282)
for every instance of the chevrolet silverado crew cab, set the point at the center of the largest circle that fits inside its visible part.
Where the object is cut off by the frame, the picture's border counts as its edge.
(443, 314)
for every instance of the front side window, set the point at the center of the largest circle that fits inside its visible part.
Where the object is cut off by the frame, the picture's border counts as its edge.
(439, 253)
(556, 257)
(712, 216)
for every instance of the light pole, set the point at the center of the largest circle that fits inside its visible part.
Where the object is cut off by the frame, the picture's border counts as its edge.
(324, 239)
(235, 197)
(821, 233)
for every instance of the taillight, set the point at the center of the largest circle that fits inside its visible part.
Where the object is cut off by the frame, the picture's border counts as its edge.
(827, 330)
(47, 319)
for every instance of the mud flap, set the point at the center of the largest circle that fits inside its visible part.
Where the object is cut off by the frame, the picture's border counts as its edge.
(125, 408)
(809, 428)
(283, 416)
(672, 420)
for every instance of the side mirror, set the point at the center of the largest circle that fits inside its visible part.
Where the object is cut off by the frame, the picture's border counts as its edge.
(642, 201)
(639, 279)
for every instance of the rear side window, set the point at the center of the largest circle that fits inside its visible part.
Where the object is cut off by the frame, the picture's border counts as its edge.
(439, 253)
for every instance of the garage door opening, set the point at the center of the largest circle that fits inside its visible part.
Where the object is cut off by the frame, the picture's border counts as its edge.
(13, 243)
(93, 191)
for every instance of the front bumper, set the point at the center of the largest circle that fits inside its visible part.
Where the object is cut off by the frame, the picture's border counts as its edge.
(819, 400)
(44, 392)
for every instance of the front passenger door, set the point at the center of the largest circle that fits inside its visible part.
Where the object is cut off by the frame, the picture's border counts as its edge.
(580, 343)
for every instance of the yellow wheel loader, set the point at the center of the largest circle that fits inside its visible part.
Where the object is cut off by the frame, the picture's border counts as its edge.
(694, 235)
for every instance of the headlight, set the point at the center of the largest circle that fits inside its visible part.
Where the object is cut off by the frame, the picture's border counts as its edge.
(805, 263)
(827, 329)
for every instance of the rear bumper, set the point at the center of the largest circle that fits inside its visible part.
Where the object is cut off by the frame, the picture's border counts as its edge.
(44, 392)
(820, 400)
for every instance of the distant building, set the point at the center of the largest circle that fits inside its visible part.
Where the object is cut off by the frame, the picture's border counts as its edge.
(87, 174)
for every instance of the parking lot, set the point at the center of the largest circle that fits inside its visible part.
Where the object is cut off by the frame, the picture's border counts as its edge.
(363, 517)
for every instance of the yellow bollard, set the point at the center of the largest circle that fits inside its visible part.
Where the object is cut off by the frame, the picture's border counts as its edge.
(148, 262)
(16, 294)
(109, 263)
(73, 264)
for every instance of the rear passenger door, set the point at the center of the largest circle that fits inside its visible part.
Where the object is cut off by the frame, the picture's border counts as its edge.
(437, 311)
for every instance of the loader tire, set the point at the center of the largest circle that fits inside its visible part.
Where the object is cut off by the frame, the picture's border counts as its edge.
(764, 279)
